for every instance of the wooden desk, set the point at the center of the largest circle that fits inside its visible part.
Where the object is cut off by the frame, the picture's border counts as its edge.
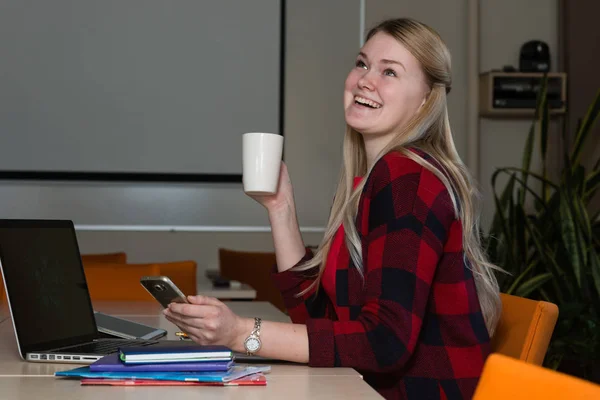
(25, 380)
(204, 286)
(278, 387)
(262, 309)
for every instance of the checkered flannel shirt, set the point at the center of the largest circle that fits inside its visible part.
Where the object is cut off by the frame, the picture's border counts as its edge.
(413, 327)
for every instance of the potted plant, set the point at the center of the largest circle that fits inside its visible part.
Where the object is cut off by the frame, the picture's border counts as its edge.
(545, 236)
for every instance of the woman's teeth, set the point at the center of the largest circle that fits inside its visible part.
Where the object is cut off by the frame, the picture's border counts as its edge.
(366, 102)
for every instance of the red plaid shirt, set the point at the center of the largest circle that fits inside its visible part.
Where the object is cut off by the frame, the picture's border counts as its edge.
(414, 326)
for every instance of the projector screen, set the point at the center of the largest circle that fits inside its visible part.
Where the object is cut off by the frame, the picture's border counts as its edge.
(142, 89)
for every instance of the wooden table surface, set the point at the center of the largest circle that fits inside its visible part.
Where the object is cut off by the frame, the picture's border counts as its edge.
(26, 380)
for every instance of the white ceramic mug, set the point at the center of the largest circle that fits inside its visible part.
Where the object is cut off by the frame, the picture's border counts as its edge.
(261, 161)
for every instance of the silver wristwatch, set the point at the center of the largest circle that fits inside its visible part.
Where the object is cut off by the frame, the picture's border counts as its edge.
(252, 343)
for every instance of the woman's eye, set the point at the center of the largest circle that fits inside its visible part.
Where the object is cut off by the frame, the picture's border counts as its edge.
(389, 72)
(360, 64)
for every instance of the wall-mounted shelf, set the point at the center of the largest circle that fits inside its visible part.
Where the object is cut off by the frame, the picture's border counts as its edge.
(513, 94)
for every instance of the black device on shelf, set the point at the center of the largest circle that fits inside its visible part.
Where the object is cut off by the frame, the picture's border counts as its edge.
(515, 93)
(534, 57)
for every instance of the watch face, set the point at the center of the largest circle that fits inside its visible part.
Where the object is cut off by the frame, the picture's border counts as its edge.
(252, 344)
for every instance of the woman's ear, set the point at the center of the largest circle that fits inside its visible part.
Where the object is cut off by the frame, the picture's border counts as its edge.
(424, 100)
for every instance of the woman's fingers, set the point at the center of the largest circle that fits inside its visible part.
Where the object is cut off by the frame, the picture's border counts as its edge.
(206, 319)
(186, 322)
(193, 310)
(186, 326)
(204, 300)
(195, 329)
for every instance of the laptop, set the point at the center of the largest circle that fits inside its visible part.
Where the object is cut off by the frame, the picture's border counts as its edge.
(47, 294)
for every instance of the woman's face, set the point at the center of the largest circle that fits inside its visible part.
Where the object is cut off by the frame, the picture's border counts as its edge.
(385, 88)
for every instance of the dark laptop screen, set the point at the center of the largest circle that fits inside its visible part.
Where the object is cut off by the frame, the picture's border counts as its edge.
(46, 284)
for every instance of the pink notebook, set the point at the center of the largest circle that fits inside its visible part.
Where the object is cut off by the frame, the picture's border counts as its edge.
(251, 380)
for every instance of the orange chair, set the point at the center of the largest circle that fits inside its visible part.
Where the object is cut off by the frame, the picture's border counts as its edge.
(506, 378)
(108, 281)
(254, 269)
(525, 328)
(121, 282)
(117, 258)
(182, 273)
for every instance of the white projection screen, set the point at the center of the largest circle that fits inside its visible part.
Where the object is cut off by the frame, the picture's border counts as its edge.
(136, 89)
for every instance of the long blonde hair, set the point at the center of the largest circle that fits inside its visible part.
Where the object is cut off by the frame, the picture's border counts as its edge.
(428, 130)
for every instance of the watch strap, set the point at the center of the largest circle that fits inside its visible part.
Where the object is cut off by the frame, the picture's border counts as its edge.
(256, 330)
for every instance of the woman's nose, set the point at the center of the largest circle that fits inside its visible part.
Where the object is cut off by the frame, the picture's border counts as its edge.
(366, 81)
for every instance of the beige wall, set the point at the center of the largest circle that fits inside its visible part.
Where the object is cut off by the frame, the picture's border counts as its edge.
(505, 26)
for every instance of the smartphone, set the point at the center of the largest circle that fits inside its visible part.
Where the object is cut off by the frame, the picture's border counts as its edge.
(163, 290)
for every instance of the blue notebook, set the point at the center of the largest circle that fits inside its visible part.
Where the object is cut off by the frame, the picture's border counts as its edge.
(172, 353)
(235, 372)
(111, 363)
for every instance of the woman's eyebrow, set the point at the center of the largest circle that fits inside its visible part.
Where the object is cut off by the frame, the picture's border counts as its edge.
(384, 61)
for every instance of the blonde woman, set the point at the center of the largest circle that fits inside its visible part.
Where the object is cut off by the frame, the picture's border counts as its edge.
(400, 288)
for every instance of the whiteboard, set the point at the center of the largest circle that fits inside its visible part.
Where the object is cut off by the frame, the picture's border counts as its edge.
(136, 86)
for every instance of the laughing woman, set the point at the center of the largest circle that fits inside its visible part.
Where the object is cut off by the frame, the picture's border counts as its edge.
(399, 288)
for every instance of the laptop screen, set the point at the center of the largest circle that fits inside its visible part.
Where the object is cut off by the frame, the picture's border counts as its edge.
(46, 285)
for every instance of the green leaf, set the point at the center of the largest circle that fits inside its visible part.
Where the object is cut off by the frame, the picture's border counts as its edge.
(526, 163)
(520, 277)
(544, 121)
(592, 181)
(595, 267)
(549, 219)
(544, 150)
(585, 129)
(545, 296)
(583, 221)
(569, 237)
(577, 182)
(506, 196)
(513, 239)
(519, 233)
(503, 223)
(547, 258)
(507, 170)
(532, 284)
(539, 177)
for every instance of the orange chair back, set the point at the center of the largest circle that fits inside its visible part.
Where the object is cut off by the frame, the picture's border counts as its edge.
(115, 258)
(254, 269)
(121, 282)
(182, 273)
(507, 378)
(525, 328)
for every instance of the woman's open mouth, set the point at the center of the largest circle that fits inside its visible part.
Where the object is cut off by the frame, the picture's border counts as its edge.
(364, 102)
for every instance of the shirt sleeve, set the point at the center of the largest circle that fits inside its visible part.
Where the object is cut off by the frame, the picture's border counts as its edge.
(312, 304)
(408, 219)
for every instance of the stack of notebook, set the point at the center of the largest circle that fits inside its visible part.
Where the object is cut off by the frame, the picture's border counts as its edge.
(168, 365)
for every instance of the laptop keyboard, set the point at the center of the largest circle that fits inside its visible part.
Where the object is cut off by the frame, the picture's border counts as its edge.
(103, 346)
